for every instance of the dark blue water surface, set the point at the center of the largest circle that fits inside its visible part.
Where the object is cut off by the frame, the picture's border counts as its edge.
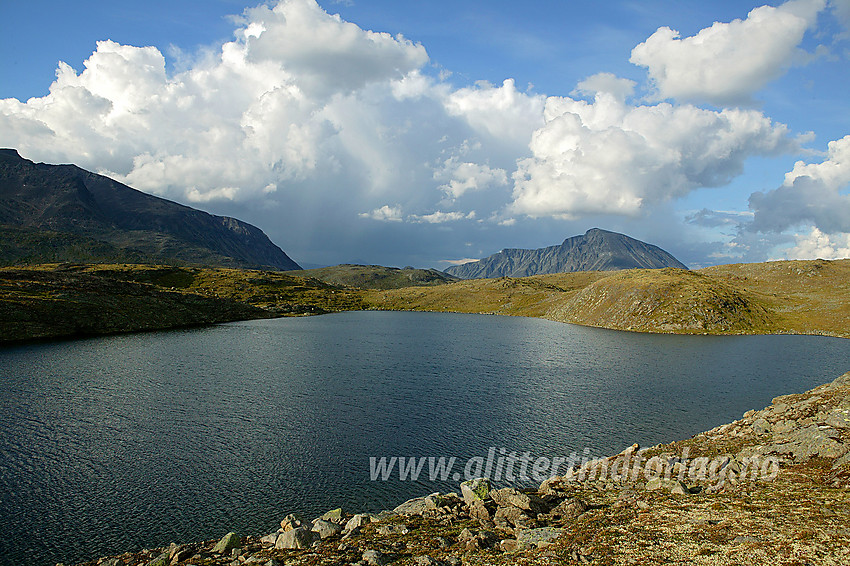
(120, 443)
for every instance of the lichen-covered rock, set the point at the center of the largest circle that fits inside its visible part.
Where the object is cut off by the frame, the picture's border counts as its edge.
(438, 500)
(161, 560)
(811, 441)
(393, 529)
(291, 521)
(334, 516)
(227, 543)
(667, 484)
(475, 489)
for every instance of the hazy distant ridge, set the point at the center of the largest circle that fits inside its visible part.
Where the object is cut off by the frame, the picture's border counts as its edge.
(596, 250)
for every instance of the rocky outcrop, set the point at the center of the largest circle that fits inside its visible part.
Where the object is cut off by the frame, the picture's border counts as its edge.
(596, 250)
(773, 484)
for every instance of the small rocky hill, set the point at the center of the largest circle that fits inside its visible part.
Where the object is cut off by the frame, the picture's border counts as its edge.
(596, 250)
(61, 213)
(667, 300)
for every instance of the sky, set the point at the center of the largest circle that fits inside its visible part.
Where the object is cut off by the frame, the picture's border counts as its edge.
(432, 133)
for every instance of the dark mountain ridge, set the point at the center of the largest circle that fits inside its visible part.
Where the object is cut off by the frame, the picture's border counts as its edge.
(106, 220)
(596, 250)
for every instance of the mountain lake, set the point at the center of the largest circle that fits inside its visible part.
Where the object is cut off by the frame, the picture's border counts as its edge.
(119, 443)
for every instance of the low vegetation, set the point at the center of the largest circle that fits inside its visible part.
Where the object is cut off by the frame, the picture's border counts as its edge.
(57, 300)
(65, 300)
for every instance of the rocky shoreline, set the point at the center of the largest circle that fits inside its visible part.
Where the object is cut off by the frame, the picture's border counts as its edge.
(770, 488)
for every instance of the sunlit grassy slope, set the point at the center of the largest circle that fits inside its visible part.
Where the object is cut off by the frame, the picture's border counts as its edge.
(808, 297)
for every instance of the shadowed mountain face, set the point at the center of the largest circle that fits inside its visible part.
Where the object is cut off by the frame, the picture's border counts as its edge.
(597, 250)
(64, 213)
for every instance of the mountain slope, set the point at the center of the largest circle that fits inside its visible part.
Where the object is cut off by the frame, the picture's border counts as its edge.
(596, 250)
(377, 276)
(80, 207)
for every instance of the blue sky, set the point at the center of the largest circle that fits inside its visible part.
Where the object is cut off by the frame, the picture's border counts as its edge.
(458, 129)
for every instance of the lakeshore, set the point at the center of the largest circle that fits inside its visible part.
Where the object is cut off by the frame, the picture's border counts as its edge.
(771, 487)
(72, 300)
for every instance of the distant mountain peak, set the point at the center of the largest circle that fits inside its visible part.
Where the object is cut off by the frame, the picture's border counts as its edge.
(98, 219)
(596, 250)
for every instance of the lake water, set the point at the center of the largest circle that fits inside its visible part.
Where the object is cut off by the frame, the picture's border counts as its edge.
(120, 443)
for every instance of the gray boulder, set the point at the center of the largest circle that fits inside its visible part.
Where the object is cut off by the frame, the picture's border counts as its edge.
(811, 441)
(326, 529)
(479, 511)
(358, 521)
(838, 418)
(415, 506)
(297, 538)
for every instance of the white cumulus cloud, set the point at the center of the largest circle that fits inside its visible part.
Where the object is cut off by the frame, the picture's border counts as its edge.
(503, 112)
(440, 217)
(727, 62)
(609, 157)
(385, 213)
(462, 176)
(817, 245)
(326, 53)
(813, 193)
